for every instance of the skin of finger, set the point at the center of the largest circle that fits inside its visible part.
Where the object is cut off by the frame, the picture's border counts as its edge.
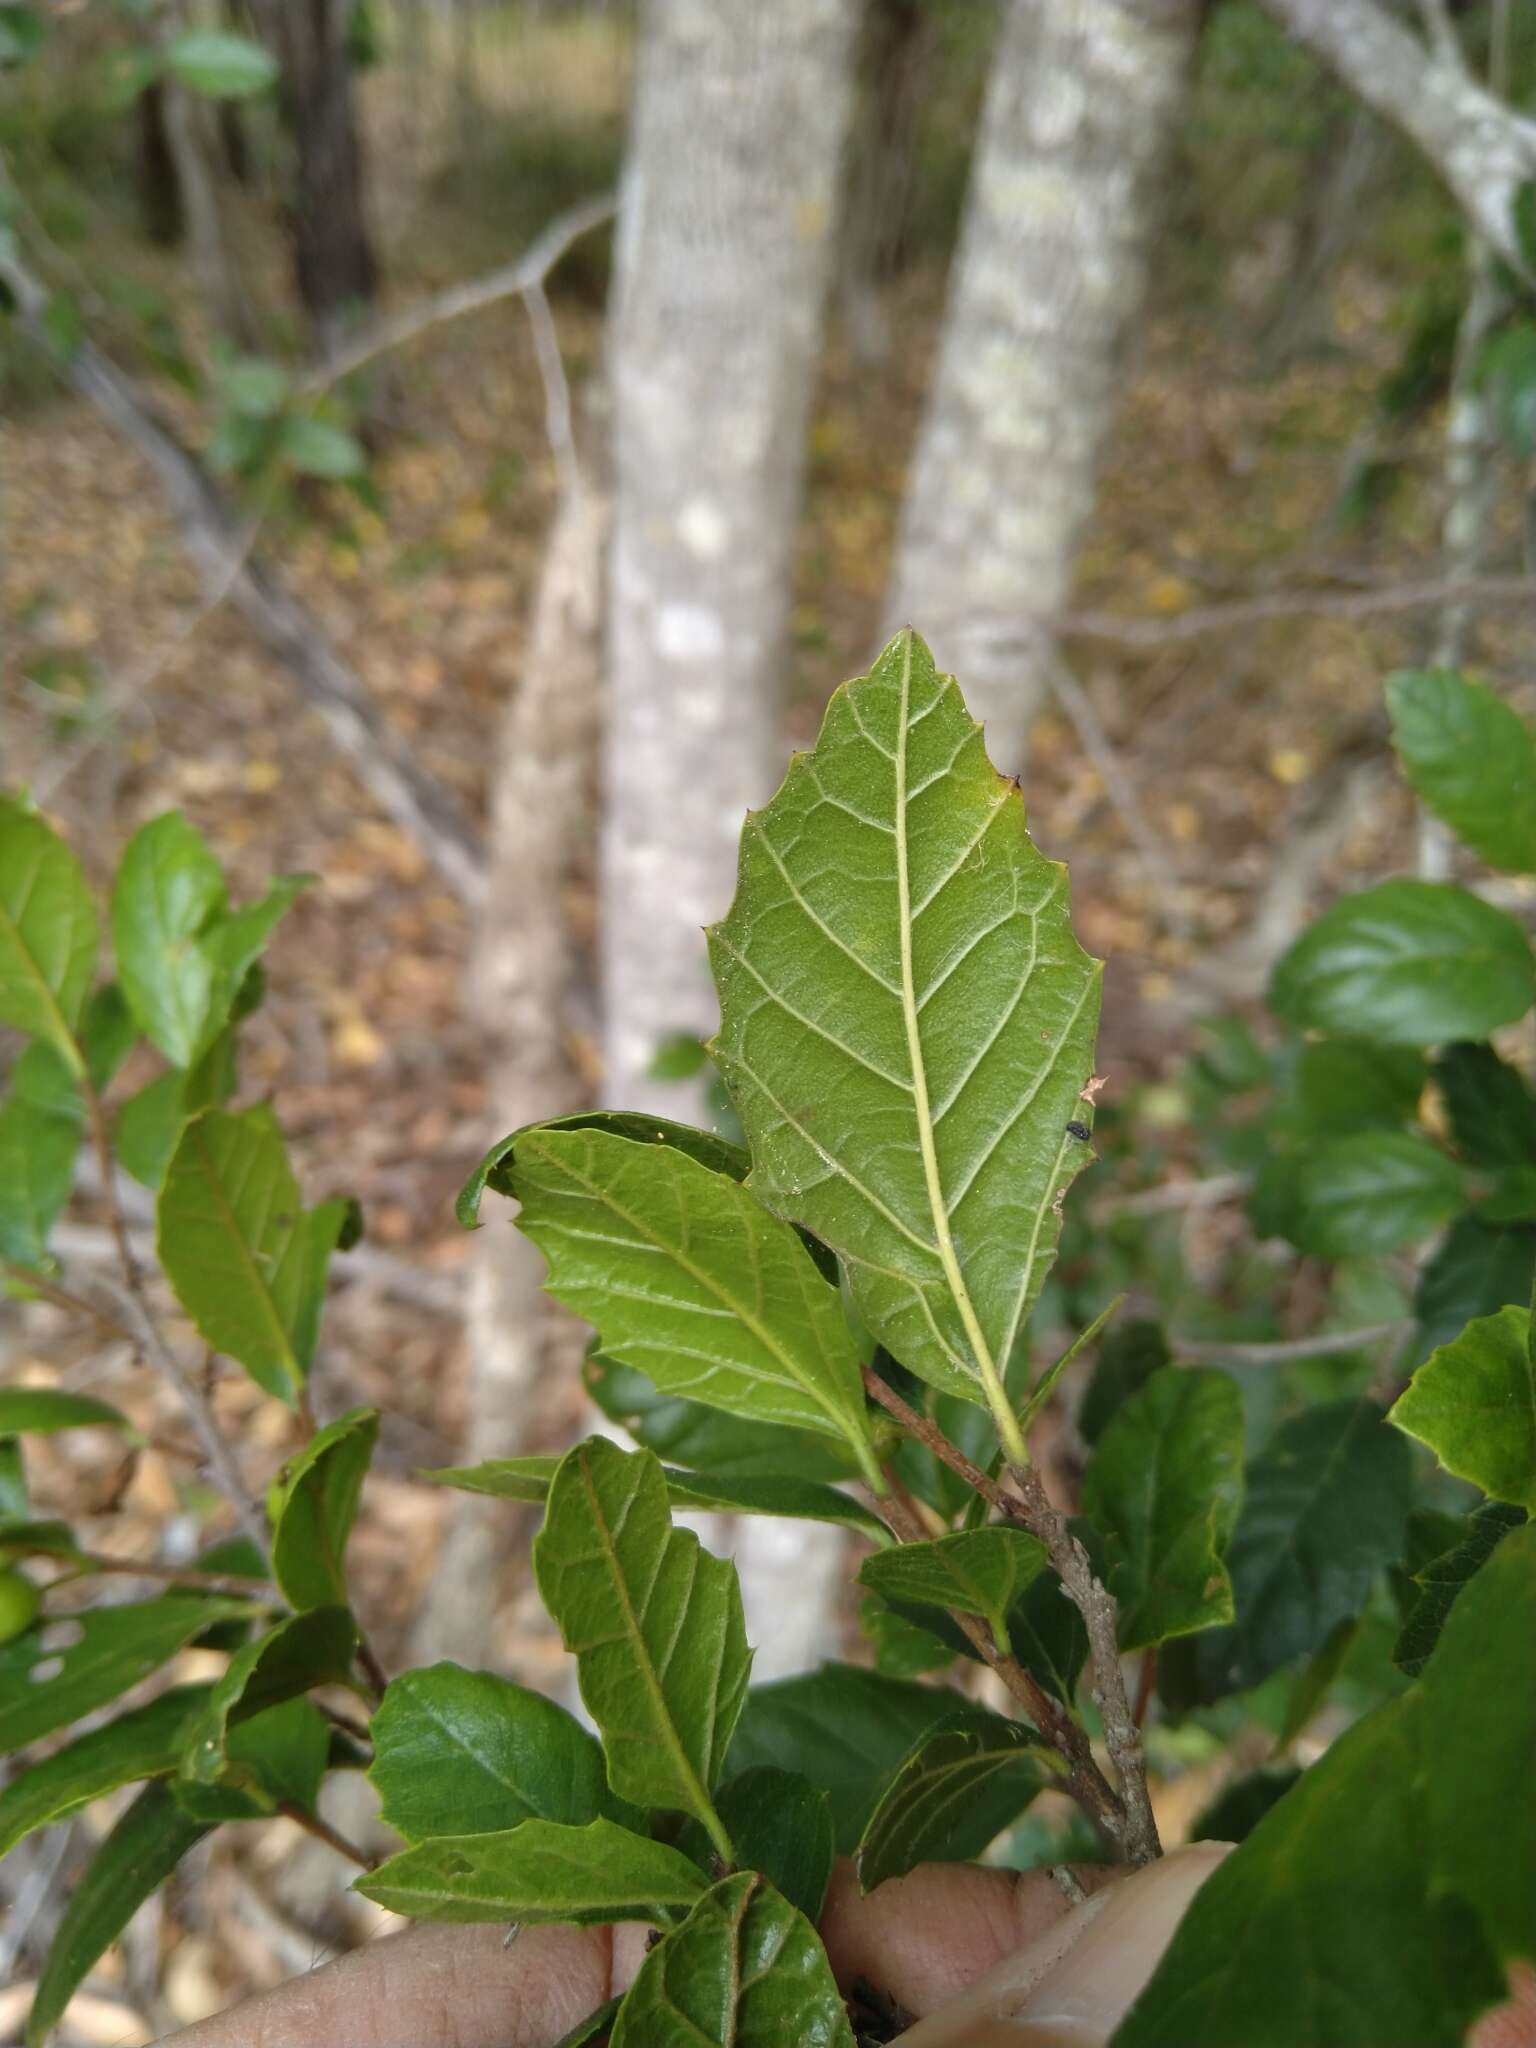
(437, 1987)
(1071, 1986)
(923, 1938)
(1512, 2025)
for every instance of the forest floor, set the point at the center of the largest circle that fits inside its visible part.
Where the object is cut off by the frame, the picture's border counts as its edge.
(1221, 479)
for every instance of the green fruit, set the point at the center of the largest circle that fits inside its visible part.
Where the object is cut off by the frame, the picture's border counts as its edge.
(19, 1604)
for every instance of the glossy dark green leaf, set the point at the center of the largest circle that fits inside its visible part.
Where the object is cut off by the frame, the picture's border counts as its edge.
(306, 1650)
(843, 1728)
(496, 1168)
(1323, 1512)
(1349, 1084)
(135, 1859)
(1491, 1108)
(1408, 963)
(37, 1174)
(1372, 1192)
(274, 1761)
(686, 1275)
(247, 1261)
(464, 1753)
(1478, 1268)
(142, 1744)
(744, 1970)
(983, 1572)
(806, 1500)
(116, 1647)
(313, 1507)
(707, 1439)
(1129, 1355)
(540, 1871)
(1323, 1926)
(907, 1023)
(1238, 1808)
(903, 1646)
(42, 1410)
(1047, 1633)
(1472, 759)
(656, 1625)
(108, 1032)
(952, 1794)
(1473, 1402)
(781, 1825)
(220, 64)
(1163, 1489)
(1441, 1579)
(48, 932)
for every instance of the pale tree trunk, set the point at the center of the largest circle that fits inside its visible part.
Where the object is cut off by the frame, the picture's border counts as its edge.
(1047, 284)
(722, 261)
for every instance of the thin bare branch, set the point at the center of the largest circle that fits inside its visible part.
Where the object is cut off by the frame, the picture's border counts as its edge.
(1327, 1344)
(1423, 594)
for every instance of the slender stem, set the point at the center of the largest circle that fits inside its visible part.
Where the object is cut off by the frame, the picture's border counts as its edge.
(312, 1824)
(1085, 1781)
(355, 1731)
(61, 1297)
(1122, 1737)
(933, 1438)
(101, 1145)
(377, 1676)
(237, 1584)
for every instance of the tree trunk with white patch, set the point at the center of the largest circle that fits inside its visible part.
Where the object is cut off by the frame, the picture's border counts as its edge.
(1047, 285)
(722, 269)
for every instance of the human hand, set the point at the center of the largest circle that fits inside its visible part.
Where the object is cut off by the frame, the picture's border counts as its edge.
(976, 1958)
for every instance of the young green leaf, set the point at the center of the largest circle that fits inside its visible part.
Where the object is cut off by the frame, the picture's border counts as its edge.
(169, 888)
(272, 1760)
(655, 1623)
(978, 1571)
(1323, 1512)
(684, 1274)
(220, 64)
(1442, 1579)
(116, 1647)
(313, 1508)
(781, 1825)
(304, 1651)
(806, 1500)
(955, 1791)
(37, 1173)
(39, 1411)
(843, 1728)
(1163, 1490)
(907, 1023)
(48, 933)
(149, 1126)
(904, 1647)
(1372, 1191)
(1474, 1404)
(1408, 963)
(1491, 1108)
(463, 1753)
(744, 1970)
(317, 447)
(540, 1871)
(707, 1439)
(136, 1858)
(142, 1744)
(247, 1261)
(705, 1147)
(1472, 759)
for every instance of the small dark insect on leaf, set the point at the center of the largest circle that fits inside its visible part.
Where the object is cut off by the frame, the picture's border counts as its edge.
(1078, 1131)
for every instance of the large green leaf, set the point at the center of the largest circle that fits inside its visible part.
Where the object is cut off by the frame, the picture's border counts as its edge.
(806, 1500)
(48, 932)
(1409, 963)
(962, 1784)
(460, 1752)
(1473, 1402)
(1491, 1108)
(655, 1623)
(781, 1825)
(313, 1507)
(1323, 1512)
(844, 1728)
(37, 1173)
(42, 1689)
(1372, 1191)
(1442, 1579)
(273, 1760)
(247, 1260)
(495, 1169)
(39, 1411)
(1350, 1084)
(142, 1744)
(540, 1871)
(685, 1274)
(745, 1970)
(306, 1650)
(977, 1571)
(907, 1023)
(1472, 759)
(1163, 1490)
(136, 1858)
(707, 1439)
(1478, 1268)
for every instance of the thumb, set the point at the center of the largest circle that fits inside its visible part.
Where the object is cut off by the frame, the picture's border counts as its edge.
(1071, 1987)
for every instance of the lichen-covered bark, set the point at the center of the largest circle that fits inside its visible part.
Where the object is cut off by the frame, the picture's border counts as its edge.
(1047, 284)
(722, 261)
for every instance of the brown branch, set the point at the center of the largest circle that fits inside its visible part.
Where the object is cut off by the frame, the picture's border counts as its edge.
(237, 1584)
(1284, 1350)
(312, 1824)
(1122, 1737)
(932, 1438)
